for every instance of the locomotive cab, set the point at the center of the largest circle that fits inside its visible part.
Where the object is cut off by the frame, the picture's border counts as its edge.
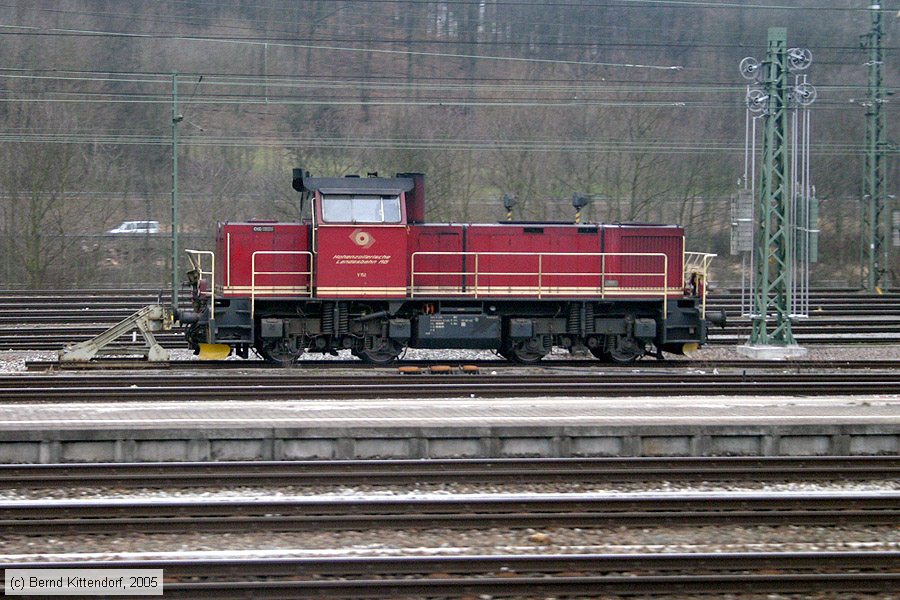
(360, 236)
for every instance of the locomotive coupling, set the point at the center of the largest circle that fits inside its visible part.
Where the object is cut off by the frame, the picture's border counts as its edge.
(185, 317)
(716, 317)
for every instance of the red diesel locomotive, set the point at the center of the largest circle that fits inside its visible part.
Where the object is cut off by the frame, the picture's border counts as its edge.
(364, 272)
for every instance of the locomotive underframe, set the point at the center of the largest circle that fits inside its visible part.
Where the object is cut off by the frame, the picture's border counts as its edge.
(377, 331)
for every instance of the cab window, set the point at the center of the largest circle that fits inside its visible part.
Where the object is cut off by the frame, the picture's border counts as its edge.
(337, 208)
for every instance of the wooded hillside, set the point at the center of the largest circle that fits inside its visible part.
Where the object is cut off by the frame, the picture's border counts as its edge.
(637, 103)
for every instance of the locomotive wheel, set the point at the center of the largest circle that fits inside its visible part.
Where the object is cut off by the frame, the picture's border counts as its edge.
(278, 353)
(622, 354)
(625, 356)
(600, 354)
(621, 357)
(386, 353)
(517, 354)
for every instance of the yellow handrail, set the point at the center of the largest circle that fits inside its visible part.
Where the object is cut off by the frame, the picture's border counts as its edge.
(254, 272)
(696, 266)
(543, 288)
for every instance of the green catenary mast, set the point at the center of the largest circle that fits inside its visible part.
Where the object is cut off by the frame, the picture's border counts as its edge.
(874, 167)
(176, 119)
(773, 267)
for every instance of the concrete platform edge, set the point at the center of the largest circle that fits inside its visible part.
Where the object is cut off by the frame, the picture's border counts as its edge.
(148, 445)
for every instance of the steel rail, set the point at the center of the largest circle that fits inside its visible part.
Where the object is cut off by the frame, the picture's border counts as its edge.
(289, 378)
(446, 387)
(395, 472)
(357, 577)
(528, 587)
(54, 517)
(494, 364)
(349, 566)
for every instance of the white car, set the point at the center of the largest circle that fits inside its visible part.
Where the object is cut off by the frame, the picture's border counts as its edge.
(147, 227)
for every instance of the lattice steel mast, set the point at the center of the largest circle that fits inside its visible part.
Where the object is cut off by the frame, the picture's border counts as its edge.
(176, 119)
(874, 261)
(773, 266)
(785, 205)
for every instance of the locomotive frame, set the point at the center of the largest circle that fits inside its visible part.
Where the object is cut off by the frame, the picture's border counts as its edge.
(365, 273)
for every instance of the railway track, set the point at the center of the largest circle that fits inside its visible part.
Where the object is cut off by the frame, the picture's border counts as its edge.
(29, 336)
(457, 365)
(119, 516)
(52, 319)
(179, 387)
(519, 575)
(460, 471)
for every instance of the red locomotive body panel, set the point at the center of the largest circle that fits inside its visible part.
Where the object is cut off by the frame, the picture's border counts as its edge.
(282, 259)
(643, 272)
(361, 261)
(535, 260)
(436, 260)
(538, 260)
(546, 260)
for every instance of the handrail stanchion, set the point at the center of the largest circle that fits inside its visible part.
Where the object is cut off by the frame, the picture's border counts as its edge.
(253, 288)
(198, 254)
(665, 286)
(476, 274)
(603, 276)
(412, 275)
(540, 274)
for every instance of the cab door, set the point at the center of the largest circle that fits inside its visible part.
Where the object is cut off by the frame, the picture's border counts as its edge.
(361, 242)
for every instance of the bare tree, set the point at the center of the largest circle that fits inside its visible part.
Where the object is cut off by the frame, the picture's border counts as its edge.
(44, 219)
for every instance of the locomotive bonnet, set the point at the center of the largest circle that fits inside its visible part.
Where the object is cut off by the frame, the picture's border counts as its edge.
(364, 272)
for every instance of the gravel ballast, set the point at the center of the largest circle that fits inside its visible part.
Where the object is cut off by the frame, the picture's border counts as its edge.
(393, 542)
(13, 361)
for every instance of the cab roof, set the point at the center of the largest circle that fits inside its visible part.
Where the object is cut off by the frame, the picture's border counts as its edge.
(356, 185)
